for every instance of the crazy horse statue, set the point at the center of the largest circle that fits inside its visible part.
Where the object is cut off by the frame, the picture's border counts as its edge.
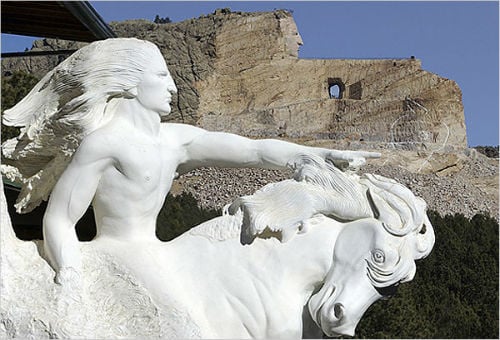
(298, 258)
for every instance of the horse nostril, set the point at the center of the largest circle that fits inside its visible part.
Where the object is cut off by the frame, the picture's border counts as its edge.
(338, 311)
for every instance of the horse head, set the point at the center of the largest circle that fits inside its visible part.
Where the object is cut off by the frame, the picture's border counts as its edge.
(372, 256)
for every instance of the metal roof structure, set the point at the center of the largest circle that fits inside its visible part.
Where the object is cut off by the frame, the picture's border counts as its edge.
(68, 20)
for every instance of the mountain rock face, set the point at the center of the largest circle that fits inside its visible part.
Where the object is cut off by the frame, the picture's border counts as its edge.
(240, 72)
(259, 87)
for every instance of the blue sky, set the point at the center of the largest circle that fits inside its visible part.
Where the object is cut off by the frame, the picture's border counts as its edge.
(457, 40)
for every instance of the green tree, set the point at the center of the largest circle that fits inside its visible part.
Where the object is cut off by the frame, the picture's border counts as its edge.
(179, 214)
(489, 151)
(159, 20)
(455, 291)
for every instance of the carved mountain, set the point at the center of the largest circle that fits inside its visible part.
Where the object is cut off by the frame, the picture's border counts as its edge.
(240, 72)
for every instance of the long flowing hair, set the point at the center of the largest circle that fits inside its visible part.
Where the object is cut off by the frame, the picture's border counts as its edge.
(67, 104)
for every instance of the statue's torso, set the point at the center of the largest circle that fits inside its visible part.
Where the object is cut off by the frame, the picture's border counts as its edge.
(133, 187)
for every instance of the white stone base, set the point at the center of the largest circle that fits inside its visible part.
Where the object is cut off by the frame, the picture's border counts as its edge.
(114, 304)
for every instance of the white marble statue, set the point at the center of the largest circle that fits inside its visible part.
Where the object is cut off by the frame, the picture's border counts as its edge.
(112, 94)
(92, 133)
(235, 291)
(207, 284)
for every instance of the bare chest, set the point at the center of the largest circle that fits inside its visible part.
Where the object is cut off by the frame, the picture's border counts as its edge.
(142, 170)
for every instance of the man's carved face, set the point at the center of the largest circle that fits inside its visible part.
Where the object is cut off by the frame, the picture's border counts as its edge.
(155, 90)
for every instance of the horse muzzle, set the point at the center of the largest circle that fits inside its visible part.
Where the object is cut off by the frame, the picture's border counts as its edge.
(329, 314)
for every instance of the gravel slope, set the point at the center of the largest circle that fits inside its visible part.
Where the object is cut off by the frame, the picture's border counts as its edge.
(471, 190)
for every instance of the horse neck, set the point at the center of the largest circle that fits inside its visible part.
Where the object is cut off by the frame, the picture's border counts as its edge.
(309, 255)
(297, 265)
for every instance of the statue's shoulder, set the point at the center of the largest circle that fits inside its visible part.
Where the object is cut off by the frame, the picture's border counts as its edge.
(180, 133)
(101, 143)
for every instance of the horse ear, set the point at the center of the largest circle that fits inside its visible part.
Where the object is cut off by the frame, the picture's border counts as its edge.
(373, 206)
(383, 212)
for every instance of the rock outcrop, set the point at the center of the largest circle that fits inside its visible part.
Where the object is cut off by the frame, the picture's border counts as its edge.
(240, 72)
(466, 183)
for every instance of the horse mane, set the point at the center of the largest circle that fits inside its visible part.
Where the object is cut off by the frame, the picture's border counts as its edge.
(315, 170)
(317, 187)
(221, 228)
(285, 205)
(67, 104)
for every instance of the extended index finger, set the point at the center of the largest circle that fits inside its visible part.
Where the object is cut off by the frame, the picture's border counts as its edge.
(369, 154)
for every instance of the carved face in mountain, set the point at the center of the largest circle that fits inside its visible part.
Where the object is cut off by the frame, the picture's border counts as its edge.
(293, 40)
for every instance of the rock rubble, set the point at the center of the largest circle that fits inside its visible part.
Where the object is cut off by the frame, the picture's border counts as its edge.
(471, 190)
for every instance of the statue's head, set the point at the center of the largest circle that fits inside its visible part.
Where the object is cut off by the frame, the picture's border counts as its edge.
(123, 67)
(372, 256)
(78, 90)
(131, 68)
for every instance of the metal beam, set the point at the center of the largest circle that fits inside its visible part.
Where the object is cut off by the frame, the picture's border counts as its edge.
(68, 20)
(88, 16)
(36, 53)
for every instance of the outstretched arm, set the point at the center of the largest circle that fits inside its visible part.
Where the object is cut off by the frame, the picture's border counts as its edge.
(68, 201)
(204, 148)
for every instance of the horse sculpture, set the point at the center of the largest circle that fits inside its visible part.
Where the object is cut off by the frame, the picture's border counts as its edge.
(328, 273)
(334, 269)
(320, 247)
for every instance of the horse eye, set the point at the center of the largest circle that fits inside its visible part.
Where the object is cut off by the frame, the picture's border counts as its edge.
(388, 291)
(378, 256)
